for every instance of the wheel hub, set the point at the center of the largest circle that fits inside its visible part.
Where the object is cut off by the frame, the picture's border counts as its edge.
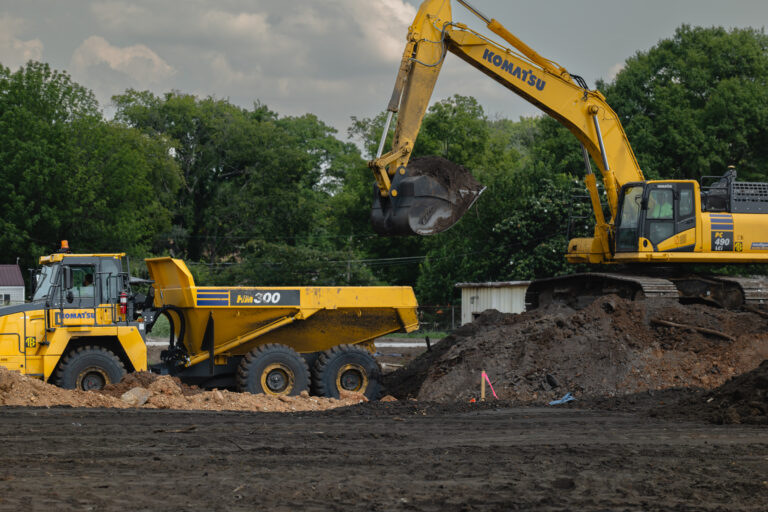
(92, 379)
(277, 379)
(352, 377)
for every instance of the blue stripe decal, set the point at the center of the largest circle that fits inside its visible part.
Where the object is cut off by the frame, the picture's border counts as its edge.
(722, 226)
(720, 215)
(213, 295)
(212, 291)
(203, 302)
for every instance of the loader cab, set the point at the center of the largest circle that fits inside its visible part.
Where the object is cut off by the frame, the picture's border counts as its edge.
(657, 216)
(74, 281)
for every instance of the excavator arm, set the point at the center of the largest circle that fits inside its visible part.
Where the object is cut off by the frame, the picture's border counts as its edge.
(539, 81)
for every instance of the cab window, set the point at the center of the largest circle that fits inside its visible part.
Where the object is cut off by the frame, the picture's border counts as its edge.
(45, 279)
(82, 281)
(630, 210)
(629, 219)
(685, 207)
(110, 279)
(661, 204)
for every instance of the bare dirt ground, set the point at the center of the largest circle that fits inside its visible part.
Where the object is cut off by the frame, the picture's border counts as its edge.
(377, 456)
(667, 417)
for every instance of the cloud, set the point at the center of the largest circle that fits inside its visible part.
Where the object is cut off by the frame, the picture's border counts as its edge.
(15, 52)
(137, 61)
(240, 25)
(112, 14)
(615, 70)
(384, 24)
(335, 58)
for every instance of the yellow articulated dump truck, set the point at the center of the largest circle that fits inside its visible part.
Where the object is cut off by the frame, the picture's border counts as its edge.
(87, 323)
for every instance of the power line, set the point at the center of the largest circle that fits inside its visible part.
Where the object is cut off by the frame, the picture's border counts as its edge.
(399, 260)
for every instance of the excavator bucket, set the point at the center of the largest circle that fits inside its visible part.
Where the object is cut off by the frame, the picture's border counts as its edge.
(431, 196)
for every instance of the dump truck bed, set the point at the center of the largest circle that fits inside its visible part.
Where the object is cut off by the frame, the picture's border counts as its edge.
(306, 318)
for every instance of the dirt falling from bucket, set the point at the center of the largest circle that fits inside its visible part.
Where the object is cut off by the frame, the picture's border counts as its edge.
(463, 188)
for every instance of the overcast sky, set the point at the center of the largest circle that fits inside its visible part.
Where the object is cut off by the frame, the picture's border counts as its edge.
(334, 58)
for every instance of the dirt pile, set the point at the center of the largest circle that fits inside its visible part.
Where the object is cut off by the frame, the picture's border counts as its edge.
(16, 389)
(743, 399)
(611, 348)
(162, 392)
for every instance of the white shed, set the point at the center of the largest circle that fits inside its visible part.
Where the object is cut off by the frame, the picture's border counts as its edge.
(11, 285)
(504, 296)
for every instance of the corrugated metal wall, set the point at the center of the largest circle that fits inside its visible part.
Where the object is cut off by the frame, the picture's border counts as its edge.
(507, 299)
(15, 295)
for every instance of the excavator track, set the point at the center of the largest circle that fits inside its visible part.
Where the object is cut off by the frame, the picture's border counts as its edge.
(580, 290)
(754, 290)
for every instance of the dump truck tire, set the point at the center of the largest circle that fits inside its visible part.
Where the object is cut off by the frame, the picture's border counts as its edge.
(349, 368)
(273, 369)
(89, 368)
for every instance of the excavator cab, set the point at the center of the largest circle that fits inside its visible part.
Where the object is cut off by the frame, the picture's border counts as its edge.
(657, 216)
(428, 196)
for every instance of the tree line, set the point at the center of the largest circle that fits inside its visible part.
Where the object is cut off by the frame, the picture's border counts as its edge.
(249, 197)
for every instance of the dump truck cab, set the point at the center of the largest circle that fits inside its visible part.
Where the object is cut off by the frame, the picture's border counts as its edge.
(77, 331)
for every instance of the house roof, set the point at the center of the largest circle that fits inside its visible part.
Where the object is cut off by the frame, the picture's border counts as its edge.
(10, 275)
(494, 284)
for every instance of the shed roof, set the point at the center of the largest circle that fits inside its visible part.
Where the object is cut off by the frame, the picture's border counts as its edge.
(10, 275)
(493, 284)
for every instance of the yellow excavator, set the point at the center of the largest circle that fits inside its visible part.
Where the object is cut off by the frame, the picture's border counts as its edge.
(658, 222)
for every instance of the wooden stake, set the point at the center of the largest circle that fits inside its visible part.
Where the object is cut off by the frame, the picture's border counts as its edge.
(482, 386)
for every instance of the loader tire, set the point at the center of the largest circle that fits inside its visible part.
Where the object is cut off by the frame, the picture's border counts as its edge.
(89, 368)
(273, 369)
(348, 368)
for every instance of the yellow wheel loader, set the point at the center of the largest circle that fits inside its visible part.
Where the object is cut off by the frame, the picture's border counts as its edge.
(87, 325)
(653, 223)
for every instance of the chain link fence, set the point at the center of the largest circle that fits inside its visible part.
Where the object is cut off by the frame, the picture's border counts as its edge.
(439, 318)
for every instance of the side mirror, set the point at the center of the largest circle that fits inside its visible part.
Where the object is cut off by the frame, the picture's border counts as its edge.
(67, 277)
(70, 296)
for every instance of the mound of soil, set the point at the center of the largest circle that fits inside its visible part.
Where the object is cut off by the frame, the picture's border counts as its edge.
(16, 389)
(611, 348)
(743, 399)
(162, 392)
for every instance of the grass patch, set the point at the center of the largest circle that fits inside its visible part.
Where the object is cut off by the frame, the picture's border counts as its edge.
(162, 328)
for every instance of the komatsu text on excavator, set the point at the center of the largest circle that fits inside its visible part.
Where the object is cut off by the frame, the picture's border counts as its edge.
(660, 222)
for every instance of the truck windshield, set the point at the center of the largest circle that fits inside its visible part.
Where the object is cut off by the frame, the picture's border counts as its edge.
(44, 281)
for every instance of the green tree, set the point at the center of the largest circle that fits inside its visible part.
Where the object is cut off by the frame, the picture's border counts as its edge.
(455, 129)
(247, 173)
(257, 188)
(67, 174)
(277, 264)
(696, 103)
